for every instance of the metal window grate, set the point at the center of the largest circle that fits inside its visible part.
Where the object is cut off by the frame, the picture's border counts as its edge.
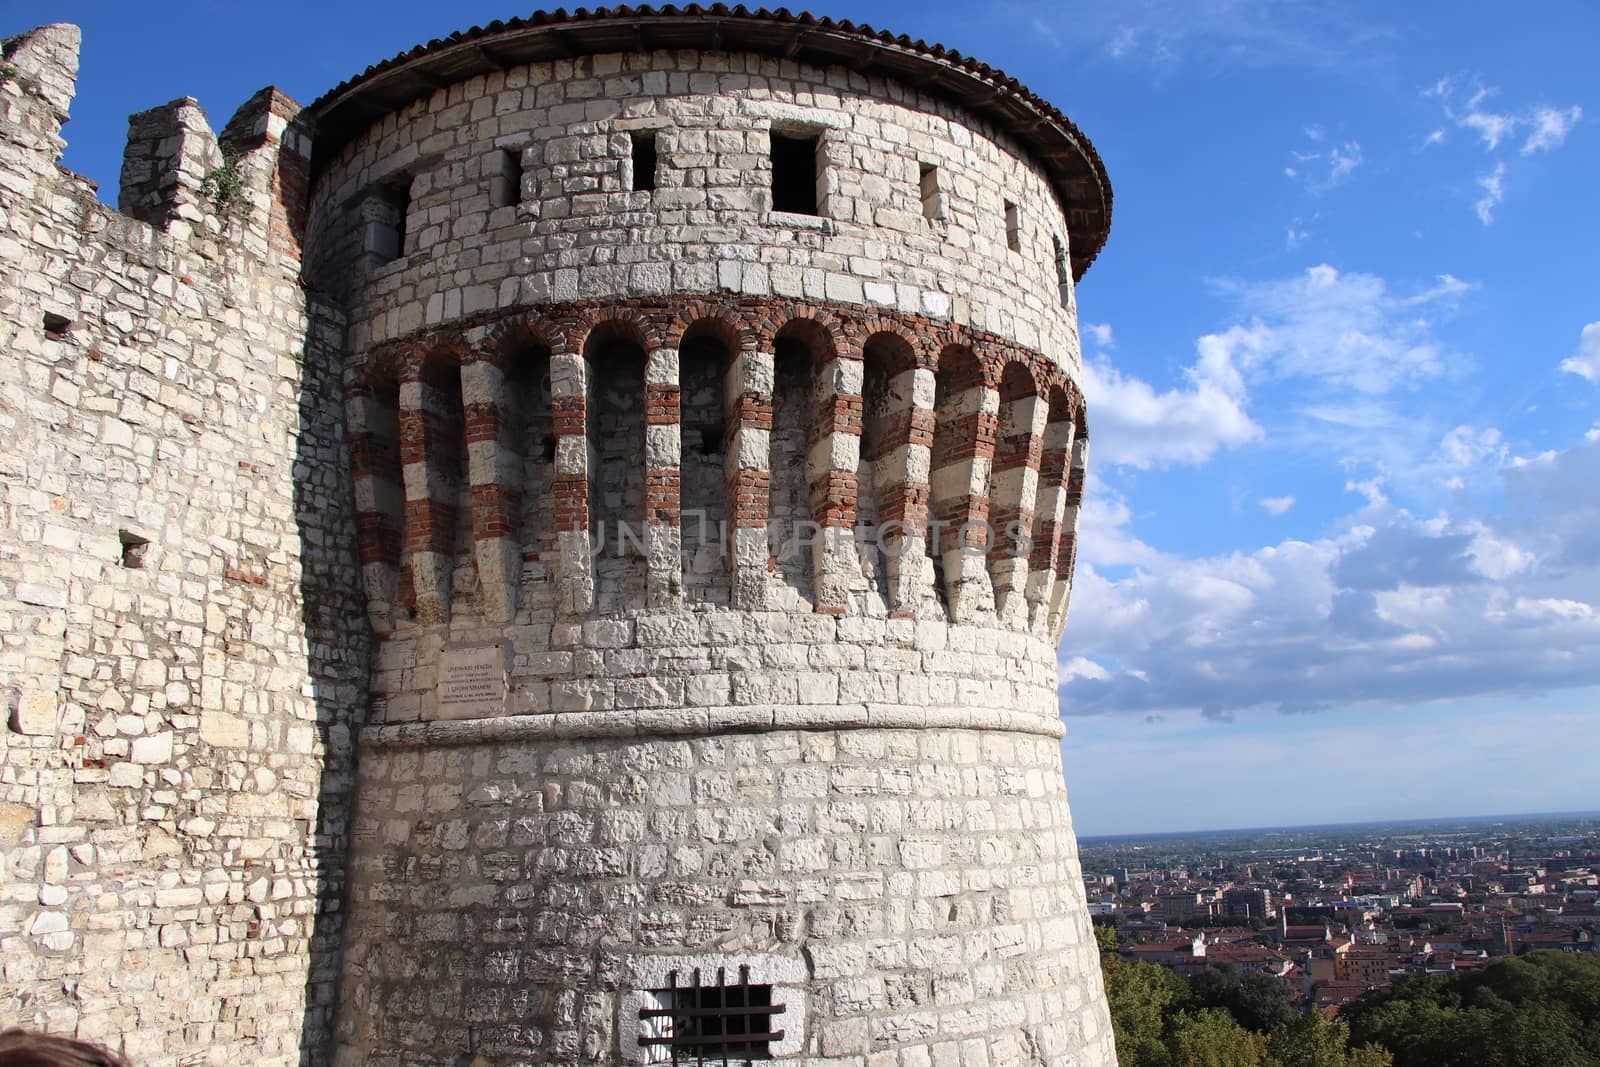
(704, 1023)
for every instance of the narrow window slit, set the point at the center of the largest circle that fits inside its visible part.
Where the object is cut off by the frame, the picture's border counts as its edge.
(933, 201)
(644, 162)
(505, 178)
(1013, 227)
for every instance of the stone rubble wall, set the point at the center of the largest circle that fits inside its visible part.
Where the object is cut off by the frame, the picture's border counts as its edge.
(581, 232)
(183, 652)
(925, 881)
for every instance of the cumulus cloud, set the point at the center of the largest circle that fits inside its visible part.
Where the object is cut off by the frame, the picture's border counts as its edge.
(1391, 609)
(1137, 426)
(1100, 333)
(1336, 345)
(1586, 362)
(1276, 505)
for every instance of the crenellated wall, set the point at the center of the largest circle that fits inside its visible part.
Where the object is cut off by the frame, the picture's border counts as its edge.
(183, 655)
(687, 573)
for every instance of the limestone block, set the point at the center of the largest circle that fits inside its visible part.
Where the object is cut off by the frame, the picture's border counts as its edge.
(37, 712)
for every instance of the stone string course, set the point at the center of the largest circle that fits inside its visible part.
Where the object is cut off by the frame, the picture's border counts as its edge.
(276, 470)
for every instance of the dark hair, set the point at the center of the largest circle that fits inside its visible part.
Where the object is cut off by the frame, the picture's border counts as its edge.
(22, 1048)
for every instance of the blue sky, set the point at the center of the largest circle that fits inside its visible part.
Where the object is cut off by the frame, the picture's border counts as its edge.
(1341, 551)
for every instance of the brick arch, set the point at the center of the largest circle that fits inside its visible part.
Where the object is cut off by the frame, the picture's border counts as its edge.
(865, 329)
(387, 363)
(524, 330)
(428, 355)
(936, 343)
(1011, 386)
(605, 324)
(723, 321)
(806, 320)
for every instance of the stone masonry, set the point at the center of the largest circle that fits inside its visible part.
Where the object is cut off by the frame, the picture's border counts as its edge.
(589, 501)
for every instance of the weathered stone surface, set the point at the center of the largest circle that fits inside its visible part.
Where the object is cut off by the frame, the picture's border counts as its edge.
(230, 467)
(176, 569)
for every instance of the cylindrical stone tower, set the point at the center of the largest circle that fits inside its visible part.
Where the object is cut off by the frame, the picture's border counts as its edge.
(714, 416)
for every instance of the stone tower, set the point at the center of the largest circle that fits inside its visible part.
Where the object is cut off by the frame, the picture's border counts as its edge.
(670, 332)
(661, 666)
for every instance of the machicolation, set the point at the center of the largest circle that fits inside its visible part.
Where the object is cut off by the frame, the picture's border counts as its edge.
(553, 554)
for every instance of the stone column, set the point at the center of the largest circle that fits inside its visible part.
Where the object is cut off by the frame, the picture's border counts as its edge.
(663, 458)
(569, 378)
(962, 455)
(1067, 552)
(1013, 493)
(430, 452)
(372, 432)
(748, 400)
(900, 476)
(831, 469)
(494, 470)
(1049, 512)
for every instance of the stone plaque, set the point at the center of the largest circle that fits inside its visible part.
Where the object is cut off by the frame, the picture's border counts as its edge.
(472, 682)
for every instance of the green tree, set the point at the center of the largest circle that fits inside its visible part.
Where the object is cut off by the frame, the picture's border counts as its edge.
(1256, 1001)
(1314, 1040)
(1142, 996)
(1211, 1038)
(1540, 1009)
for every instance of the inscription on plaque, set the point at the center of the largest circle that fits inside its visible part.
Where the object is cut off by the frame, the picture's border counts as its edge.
(472, 682)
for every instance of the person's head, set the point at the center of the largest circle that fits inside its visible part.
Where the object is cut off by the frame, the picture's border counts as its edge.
(22, 1048)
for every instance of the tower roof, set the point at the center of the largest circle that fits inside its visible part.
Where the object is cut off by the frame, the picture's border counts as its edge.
(1067, 156)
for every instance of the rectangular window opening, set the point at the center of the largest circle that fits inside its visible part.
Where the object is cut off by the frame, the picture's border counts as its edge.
(1013, 227)
(505, 178)
(134, 548)
(932, 198)
(385, 213)
(644, 162)
(796, 165)
(721, 1022)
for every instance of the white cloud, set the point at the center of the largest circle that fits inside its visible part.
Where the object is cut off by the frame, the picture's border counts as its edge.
(1276, 505)
(1324, 168)
(1136, 426)
(1542, 128)
(1494, 193)
(1391, 609)
(1490, 127)
(1468, 447)
(1586, 363)
(1342, 329)
(1334, 346)
(1167, 34)
(1100, 332)
(1550, 128)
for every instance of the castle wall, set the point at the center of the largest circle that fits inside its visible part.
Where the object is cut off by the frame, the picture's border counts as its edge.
(182, 643)
(832, 759)
(579, 231)
(921, 885)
